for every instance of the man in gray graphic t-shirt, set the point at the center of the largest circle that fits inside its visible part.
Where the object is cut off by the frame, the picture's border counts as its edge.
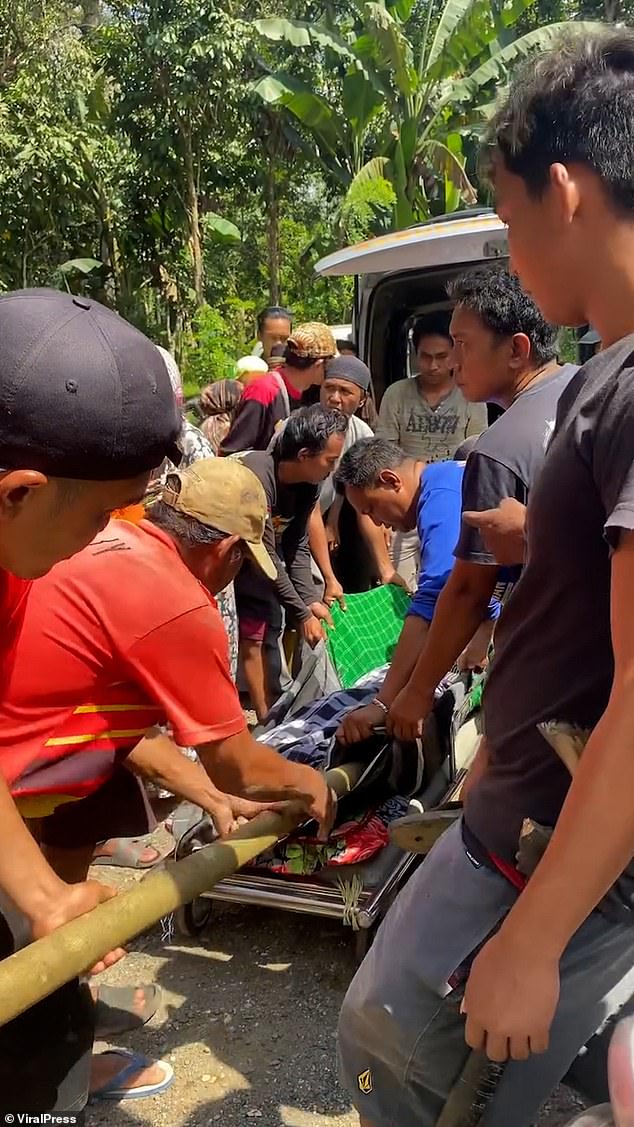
(428, 417)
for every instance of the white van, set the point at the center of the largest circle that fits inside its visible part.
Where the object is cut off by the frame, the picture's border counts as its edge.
(341, 332)
(401, 275)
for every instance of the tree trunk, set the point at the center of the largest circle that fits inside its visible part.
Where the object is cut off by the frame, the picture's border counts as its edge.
(272, 231)
(193, 215)
(109, 254)
(91, 14)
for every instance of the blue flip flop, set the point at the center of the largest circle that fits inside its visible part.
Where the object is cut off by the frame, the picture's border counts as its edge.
(113, 1090)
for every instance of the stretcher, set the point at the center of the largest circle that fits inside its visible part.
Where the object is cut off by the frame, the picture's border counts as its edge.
(373, 884)
(357, 895)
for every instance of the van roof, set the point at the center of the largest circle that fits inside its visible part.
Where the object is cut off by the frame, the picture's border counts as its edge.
(466, 237)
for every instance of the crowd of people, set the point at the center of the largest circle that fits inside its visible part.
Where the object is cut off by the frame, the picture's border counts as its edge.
(129, 536)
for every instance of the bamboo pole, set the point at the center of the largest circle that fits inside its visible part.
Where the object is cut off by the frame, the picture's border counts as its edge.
(37, 970)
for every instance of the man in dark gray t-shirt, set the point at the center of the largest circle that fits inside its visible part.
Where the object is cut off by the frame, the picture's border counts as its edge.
(507, 458)
(504, 351)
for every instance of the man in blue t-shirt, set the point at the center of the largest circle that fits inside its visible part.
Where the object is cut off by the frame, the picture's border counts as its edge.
(381, 482)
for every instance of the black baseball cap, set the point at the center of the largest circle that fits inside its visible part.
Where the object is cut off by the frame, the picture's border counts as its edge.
(83, 393)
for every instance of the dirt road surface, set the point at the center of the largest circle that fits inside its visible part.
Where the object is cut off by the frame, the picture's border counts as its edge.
(249, 1023)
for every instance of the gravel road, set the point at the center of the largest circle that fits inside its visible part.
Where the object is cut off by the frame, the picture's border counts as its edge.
(249, 1023)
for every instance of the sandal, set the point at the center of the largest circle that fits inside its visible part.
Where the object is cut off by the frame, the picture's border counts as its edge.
(134, 1062)
(117, 1011)
(126, 854)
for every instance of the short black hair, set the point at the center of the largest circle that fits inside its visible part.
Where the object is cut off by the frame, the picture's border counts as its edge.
(68, 491)
(301, 363)
(431, 324)
(272, 311)
(309, 428)
(347, 346)
(572, 104)
(502, 305)
(363, 463)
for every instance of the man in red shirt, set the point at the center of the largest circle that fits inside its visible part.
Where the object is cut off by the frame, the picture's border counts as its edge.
(272, 398)
(125, 636)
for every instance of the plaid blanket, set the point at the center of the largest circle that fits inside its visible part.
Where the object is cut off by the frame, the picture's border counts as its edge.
(307, 735)
(315, 679)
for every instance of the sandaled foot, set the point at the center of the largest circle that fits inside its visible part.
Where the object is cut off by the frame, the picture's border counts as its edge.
(119, 1009)
(126, 853)
(119, 1074)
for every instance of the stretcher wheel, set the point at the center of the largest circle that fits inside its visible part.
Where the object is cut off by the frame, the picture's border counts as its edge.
(192, 919)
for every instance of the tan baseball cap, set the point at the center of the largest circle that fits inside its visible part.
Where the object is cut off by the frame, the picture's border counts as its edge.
(223, 494)
(312, 341)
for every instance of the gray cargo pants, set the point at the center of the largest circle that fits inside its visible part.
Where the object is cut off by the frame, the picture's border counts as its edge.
(401, 1046)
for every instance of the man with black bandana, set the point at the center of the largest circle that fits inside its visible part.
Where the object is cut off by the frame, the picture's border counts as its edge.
(346, 388)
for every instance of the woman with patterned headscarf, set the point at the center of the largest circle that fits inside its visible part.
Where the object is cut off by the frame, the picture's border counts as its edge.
(219, 402)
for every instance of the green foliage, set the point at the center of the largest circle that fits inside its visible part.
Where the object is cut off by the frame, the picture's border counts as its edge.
(59, 164)
(368, 207)
(568, 349)
(188, 162)
(220, 228)
(82, 266)
(402, 91)
(210, 354)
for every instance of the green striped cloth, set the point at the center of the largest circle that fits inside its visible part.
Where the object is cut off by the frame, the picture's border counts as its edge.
(366, 633)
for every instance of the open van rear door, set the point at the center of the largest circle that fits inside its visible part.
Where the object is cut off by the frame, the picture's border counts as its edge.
(405, 272)
(447, 241)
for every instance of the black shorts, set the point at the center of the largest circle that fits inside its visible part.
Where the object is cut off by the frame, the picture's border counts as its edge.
(120, 808)
(45, 1053)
